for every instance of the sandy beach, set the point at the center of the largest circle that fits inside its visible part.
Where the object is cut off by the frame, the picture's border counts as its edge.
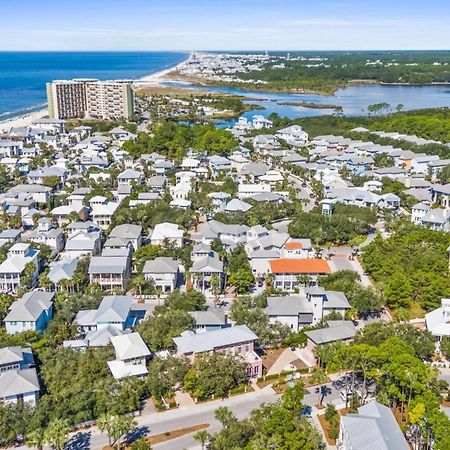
(27, 119)
(157, 77)
(22, 121)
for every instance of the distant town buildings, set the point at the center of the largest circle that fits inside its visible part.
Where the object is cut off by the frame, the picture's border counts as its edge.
(90, 98)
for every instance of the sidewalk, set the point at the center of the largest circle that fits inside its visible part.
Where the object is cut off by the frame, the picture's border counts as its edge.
(183, 399)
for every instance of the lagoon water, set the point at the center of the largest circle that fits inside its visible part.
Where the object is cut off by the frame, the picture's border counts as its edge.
(354, 99)
(23, 74)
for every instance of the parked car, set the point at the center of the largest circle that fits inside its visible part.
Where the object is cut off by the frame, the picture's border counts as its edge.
(347, 394)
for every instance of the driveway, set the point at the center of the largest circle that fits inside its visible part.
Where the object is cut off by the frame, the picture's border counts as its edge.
(329, 393)
(283, 361)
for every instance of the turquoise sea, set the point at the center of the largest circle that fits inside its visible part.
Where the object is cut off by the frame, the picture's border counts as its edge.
(23, 74)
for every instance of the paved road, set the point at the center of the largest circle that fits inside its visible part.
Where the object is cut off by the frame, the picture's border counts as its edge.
(303, 192)
(180, 418)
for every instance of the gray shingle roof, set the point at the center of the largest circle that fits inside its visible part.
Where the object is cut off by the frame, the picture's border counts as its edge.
(16, 382)
(9, 355)
(210, 317)
(108, 264)
(189, 342)
(30, 306)
(126, 231)
(337, 332)
(161, 265)
(129, 346)
(207, 264)
(102, 336)
(290, 305)
(113, 308)
(62, 270)
(373, 428)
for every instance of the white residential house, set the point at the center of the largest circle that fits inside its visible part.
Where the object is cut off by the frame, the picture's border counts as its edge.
(164, 272)
(128, 234)
(167, 232)
(259, 122)
(61, 270)
(11, 235)
(218, 164)
(219, 200)
(307, 308)
(39, 193)
(250, 189)
(129, 177)
(83, 243)
(204, 269)
(181, 190)
(437, 219)
(260, 259)
(103, 212)
(418, 212)
(39, 175)
(297, 248)
(12, 269)
(47, 234)
(110, 272)
(132, 355)
(62, 214)
(293, 135)
(229, 234)
(19, 382)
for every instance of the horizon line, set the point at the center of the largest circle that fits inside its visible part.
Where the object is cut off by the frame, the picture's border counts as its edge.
(226, 50)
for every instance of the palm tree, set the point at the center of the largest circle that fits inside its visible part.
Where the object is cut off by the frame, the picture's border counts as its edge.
(105, 425)
(57, 433)
(44, 281)
(137, 282)
(28, 274)
(203, 437)
(123, 426)
(78, 279)
(115, 427)
(215, 287)
(224, 416)
(303, 280)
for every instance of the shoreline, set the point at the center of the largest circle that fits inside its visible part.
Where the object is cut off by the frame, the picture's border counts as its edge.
(157, 77)
(26, 120)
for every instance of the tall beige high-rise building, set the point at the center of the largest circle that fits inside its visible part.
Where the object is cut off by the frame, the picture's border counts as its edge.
(67, 98)
(109, 100)
(90, 98)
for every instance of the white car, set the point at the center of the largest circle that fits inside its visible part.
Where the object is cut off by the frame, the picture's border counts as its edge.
(346, 394)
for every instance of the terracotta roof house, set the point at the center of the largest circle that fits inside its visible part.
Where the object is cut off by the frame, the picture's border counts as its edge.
(286, 271)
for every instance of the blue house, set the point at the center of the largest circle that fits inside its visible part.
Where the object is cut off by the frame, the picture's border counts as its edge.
(359, 165)
(31, 313)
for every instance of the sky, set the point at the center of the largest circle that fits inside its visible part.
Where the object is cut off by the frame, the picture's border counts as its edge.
(224, 25)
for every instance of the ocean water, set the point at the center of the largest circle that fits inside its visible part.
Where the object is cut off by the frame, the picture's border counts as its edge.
(23, 74)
